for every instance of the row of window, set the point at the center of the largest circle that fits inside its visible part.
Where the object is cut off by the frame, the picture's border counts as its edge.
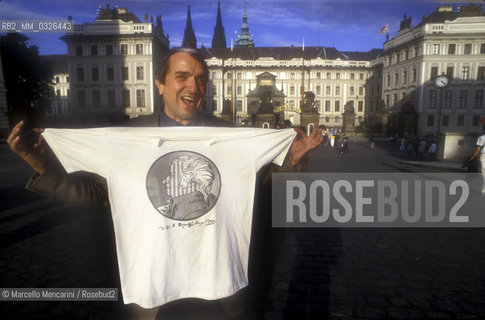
(292, 75)
(445, 121)
(110, 99)
(450, 72)
(436, 48)
(110, 73)
(451, 48)
(447, 99)
(106, 50)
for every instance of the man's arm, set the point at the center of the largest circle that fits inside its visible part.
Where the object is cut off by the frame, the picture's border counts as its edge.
(50, 179)
(476, 152)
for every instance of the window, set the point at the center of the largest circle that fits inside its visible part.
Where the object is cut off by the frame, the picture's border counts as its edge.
(239, 75)
(463, 99)
(58, 93)
(329, 75)
(337, 90)
(292, 90)
(396, 78)
(94, 50)
(124, 73)
(124, 49)
(58, 80)
(361, 91)
(328, 90)
(338, 75)
(229, 90)
(239, 90)
(435, 49)
(481, 73)
(140, 98)
(110, 95)
(95, 73)
(96, 99)
(482, 48)
(460, 120)
(468, 48)
(360, 106)
(337, 118)
(464, 73)
(388, 80)
(451, 48)
(406, 55)
(67, 79)
(318, 90)
(361, 76)
(449, 72)
(80, 74)
(475, 121)
(125, 98)
(239, 105)
(139, 49)
(478, 99)
(292, 75)
(229, 75)
(213, 75)
(337, 106)
(79, 51)
(413, 75)
(319, 75)
(445, 121)
(81, 96)
(352, 76)
(327, 119)
(388, 97)
(448, 99)
(352, 91)
(434, 72)
(327, 105)
(214, 90)
(110, 73)
(430, 121)
(109, 50)
(404, 77)
(139, 73)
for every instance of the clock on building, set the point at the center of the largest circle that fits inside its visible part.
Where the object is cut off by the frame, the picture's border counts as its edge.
(441, 81)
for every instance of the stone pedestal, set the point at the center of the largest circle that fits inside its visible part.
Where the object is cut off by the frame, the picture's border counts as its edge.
(262, 118)
(348, 123)
(309, 117)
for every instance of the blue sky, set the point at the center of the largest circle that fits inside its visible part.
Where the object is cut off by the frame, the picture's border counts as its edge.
(348, 25)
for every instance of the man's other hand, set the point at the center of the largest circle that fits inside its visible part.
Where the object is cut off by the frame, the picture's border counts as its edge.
(304, 144)
(29, 145)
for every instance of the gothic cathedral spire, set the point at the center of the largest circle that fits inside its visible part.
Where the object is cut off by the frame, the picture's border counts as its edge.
(189, 36)
(219, 38)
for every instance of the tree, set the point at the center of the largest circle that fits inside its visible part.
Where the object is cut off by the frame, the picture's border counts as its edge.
(28, 79)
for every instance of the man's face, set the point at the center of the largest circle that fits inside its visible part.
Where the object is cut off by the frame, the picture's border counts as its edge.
(184, 87)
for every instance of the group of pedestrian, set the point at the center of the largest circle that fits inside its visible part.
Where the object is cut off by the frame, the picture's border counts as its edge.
(423, 148)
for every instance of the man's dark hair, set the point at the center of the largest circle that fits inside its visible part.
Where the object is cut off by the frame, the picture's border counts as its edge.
(163, 67)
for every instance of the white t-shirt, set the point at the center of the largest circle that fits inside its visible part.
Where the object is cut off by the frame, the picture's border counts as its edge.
(481, 142)
(181, 200)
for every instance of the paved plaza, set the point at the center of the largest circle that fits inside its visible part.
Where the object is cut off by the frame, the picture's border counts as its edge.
(311, 273)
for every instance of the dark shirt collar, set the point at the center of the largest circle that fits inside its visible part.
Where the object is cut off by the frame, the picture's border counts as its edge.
(165, 121)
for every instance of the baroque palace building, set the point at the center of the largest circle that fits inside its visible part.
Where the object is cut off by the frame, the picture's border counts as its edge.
(447, 42)
(111, 65)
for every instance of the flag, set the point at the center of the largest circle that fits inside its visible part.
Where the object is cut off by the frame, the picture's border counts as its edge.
(384, 29)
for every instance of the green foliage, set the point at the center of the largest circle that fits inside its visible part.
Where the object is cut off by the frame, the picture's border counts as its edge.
(28, 78)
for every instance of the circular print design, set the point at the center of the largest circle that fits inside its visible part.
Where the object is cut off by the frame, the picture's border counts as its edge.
(183, 185)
